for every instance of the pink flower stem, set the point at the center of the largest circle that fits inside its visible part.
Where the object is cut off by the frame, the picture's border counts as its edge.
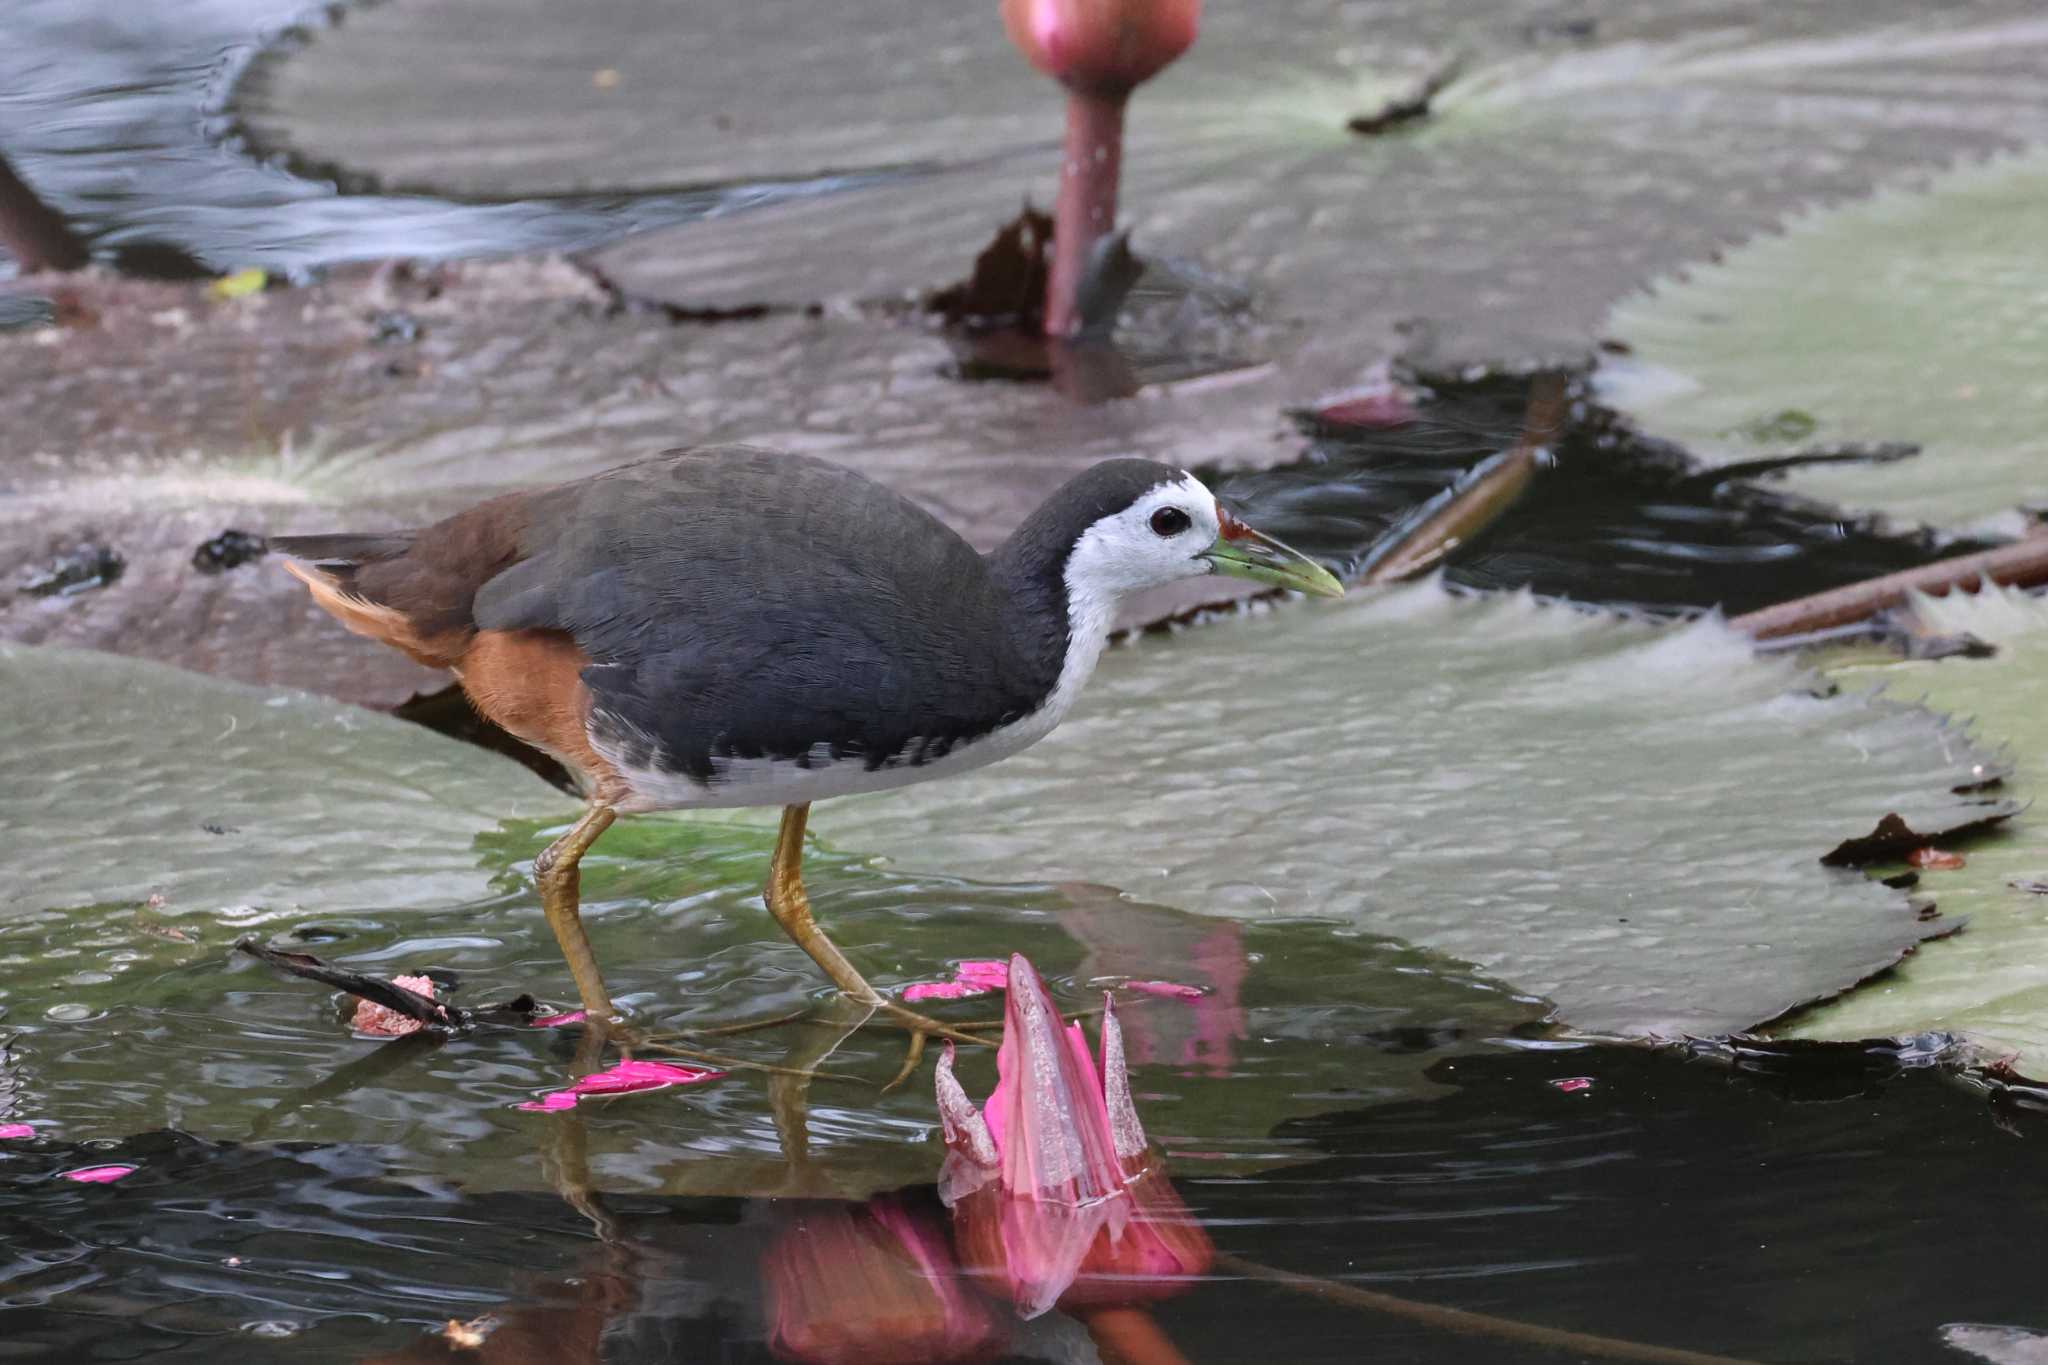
(1086, 208)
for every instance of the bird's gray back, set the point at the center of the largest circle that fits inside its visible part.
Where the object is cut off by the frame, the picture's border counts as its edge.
(742, 603)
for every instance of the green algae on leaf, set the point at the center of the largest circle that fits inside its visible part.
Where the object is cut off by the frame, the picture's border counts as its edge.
(1916, 315)
(1990, 982)
(1624, 818)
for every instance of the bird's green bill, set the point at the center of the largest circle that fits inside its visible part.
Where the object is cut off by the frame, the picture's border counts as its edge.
(1242, 552)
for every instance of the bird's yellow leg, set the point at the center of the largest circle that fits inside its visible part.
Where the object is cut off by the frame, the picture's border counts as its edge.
(791, 907)
(555, 873)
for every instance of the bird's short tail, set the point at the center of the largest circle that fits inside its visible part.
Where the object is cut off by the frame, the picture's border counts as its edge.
(330, 570)
(344, 552)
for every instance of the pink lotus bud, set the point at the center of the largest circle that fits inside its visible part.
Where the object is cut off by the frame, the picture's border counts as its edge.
(1101, 47)
(1056, 1196)
(871, 1284)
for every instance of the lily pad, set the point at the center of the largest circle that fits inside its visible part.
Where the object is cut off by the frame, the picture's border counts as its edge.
(131, 780)
(1624, 818)
(1552, 174)
(1824, 332)
(1990, 982)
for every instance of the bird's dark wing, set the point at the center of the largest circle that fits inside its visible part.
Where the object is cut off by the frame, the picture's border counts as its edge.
(739, 603)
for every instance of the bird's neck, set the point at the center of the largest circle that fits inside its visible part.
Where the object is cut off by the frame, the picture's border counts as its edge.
(1062, 623)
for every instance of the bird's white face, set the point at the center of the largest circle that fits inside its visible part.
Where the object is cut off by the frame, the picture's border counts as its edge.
(1160, 538)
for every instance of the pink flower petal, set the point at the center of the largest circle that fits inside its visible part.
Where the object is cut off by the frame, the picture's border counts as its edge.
(97, 1175)
(557, 1020)
(380, 1021)
(16, 1130)
(622, 1078)
(1172, 990)
(941, 990)
(1573, 1084)
(974, 977)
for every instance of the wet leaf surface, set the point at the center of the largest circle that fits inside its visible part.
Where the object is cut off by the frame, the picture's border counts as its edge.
(1625, 819)
(1853, 293)
(1989, 983)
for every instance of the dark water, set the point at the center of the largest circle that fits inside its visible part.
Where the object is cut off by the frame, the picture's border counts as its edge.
(1619, 519)
(1835, 1208)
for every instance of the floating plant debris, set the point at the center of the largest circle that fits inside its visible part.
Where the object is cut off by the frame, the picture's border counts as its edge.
(229, 550)
(81, 568)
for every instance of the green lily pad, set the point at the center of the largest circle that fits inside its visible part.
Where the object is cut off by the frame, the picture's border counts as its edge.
(1621, 817)
(132, 780)
(1831, 324)
(1990, 982)
(378, 846)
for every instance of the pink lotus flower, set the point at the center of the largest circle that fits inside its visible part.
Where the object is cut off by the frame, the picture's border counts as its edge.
(16, 1130)
(976, 977)
(381, 1021)
(871, 1284)
(1056, 1196)
(1103, 47)
(622, 1078)
(97, 1175)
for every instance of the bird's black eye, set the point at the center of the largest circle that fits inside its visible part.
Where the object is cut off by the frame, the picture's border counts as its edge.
(1170, 521)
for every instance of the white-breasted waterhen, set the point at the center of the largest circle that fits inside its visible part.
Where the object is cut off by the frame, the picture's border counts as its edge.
(731, 626)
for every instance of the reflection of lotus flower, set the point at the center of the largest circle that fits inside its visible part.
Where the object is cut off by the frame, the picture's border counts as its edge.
(1055, 1194)
(871, 1283)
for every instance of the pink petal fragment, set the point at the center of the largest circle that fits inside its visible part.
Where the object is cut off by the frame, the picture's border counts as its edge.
(622, 1078)
(941, 990)
(557, 1020)
(16, 1130)
(1573, 1084)
(977, 976)
(380, 1021)
(1172, 990)
(97, 1175)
